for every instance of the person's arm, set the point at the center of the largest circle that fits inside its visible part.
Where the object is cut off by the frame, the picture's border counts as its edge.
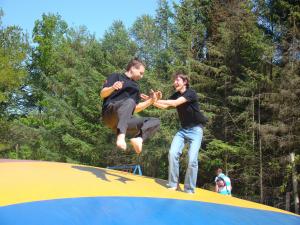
(148, 100)
(107, 91)
(167, 103)
(216, 188)
(143, 105)
(230, 185)
(160, 105)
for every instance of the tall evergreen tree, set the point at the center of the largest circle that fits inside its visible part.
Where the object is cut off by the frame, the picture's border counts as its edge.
(147, 38)
(13, 54)
(280, 132)
(117, 47)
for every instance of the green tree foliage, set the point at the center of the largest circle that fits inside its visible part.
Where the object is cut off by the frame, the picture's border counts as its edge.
(165, 28)
(146, 35)
(280, 131)
(117, 48)
(13, 54)
(13, 50)
(191, 30)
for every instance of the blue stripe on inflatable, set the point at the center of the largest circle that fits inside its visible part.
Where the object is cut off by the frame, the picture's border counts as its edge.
(136, 210)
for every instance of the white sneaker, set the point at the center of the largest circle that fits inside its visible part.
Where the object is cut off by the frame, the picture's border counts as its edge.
(172, 188)
(190, 192)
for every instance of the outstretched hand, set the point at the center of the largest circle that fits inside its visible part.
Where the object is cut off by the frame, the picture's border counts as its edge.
(154, 95)
(144, 97)
(158, 95)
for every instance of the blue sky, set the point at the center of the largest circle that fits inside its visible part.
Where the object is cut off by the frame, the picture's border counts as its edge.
(96, 15)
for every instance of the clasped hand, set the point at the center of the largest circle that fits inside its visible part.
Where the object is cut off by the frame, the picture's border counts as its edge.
(153, 95)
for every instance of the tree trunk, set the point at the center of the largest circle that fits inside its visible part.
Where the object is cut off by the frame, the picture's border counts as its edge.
(260, 156)
(295, 183)
(226, 167)
(17, 151)
(253, 123)
(287, 201)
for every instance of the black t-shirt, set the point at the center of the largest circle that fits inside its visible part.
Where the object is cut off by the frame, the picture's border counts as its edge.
(130, 89)
(189, 112)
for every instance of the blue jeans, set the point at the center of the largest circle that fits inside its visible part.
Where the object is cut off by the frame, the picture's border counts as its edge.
(193, 136)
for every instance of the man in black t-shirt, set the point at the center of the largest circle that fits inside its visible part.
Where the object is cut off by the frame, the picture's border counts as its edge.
(185, 100)
(121, 98)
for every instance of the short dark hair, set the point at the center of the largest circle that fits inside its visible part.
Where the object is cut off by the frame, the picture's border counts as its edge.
(183, 76)
(220, 179)
(135, 62)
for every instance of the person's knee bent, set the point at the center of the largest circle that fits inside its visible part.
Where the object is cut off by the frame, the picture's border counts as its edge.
(149, 127)
(156, 123)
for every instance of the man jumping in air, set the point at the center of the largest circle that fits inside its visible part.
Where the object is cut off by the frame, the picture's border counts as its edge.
(121, 98)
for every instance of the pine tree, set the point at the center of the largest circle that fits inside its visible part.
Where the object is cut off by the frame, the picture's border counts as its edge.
(280, 132)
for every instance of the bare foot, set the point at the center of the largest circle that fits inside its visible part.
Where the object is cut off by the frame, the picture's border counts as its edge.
(137, 144)
(121, 142)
